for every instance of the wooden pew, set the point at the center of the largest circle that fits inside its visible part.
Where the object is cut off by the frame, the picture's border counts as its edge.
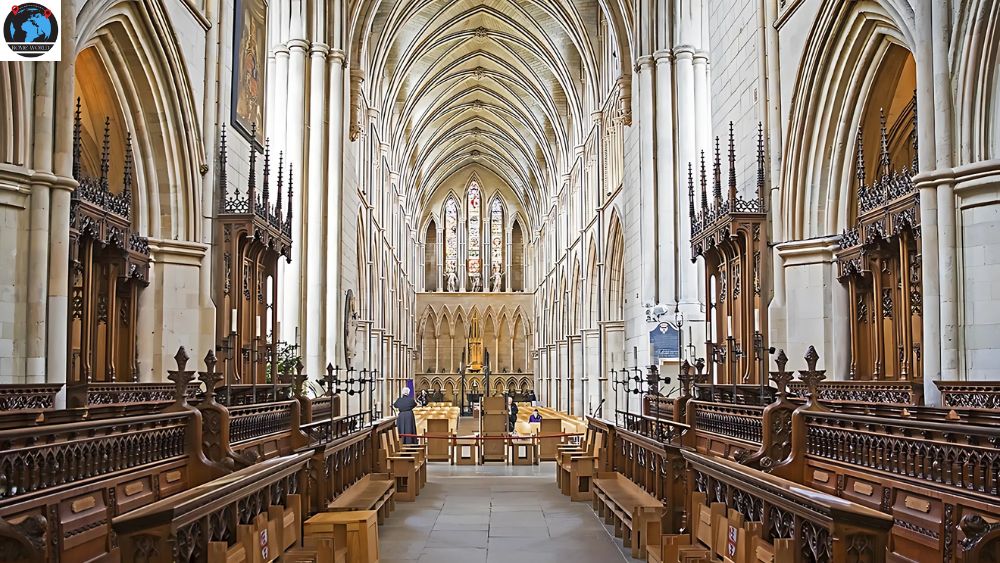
(769, 508)
(256, 512)
(66, 481)
(577, 464)
(408, 468)
(627, 507)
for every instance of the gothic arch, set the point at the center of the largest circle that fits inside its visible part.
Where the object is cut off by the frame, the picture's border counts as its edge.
(14, 121)
(978, 79)
(135, 45)
(845, 50)
(593, 285)
(614, 258)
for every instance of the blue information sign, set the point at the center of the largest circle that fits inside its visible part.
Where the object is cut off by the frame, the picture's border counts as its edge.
(664, 343)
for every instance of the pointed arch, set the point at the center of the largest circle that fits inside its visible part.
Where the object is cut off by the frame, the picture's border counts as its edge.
(836, 89)
(131, 47)
(593, 285)
(615, 270)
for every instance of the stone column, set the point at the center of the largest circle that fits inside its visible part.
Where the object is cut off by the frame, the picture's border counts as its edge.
(686, 153)
(647, 180)
(439, 248)
(666, 189)
(334, 206)
(57, 322)
(38, 239)
(702, 107)
(294, 118)
(313, 246)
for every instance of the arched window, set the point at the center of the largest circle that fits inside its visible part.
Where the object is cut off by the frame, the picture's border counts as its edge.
(496, 244)
(475, 234)
(451, 244)
(516, 275)
(431, 257)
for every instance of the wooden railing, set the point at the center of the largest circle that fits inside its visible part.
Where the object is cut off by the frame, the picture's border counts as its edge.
(657, 467)
(970, 394)
(823, 528)
(179, 529)
(662, 430)
(866, 392)
(250, 422)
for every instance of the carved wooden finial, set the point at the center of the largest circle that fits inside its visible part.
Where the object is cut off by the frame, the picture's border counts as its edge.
(281, 167)
(811, 376)
(77, 139)
(265, 191)
(223, 164)
(859, 163)
(127, 176)
(704, 188)
(181, 358)
(252, 176)
(299, 381)
(699, 364)
(781, 378)
(883, 157)
(952, 415)
(686, 377)
(732, 167)
(210, 376)
(181, 377)
(288, 217)
(691, 192)
(760, 162)
(329, 379)
(106, 153)
(717, 175)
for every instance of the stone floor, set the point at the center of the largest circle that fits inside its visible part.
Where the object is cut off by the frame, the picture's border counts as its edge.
(496, 514)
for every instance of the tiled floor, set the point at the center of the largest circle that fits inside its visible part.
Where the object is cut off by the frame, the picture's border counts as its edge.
(496, 514)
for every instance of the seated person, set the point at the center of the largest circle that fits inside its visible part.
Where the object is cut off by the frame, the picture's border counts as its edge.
(535, 417)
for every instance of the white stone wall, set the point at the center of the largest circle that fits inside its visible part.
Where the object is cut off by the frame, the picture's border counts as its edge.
(13, 290)
(980, 236)
(734, 38)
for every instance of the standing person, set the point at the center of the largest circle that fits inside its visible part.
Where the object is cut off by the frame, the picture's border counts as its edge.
(511, 414)
(405, 421)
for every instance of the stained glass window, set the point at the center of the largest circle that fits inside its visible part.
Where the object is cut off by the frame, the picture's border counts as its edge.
(496, 242)
(475, 231)
(450, 240)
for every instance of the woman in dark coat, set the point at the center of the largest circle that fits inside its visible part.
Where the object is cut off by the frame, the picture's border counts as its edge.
(405, 421)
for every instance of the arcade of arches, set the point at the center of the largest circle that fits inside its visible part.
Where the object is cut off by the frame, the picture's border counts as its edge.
(616, 210)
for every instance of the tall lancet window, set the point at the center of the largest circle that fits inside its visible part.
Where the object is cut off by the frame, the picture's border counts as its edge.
(475, 241)
(496, 244)
(451, 244)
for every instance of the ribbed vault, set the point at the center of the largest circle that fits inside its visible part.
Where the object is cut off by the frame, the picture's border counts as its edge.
(502, 84)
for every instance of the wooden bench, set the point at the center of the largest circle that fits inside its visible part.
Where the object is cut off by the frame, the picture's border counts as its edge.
(357, 529)
(408, 467)
(372, 492)
(316, 549)
(576, 467)
(628, 508)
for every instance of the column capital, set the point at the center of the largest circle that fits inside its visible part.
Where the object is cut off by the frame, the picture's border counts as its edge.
(684, 51)
(319, 50)
(597, 116)
(336, 55)
(298, 45)
(700, 57)
(644, 61)
(663, 56)
(280, 51)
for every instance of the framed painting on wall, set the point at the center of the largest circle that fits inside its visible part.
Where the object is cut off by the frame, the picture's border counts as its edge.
(249, 61)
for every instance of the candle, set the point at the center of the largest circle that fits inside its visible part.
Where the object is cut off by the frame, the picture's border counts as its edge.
(756, 319)
(233, 321)
(260, 325)
(729, 325)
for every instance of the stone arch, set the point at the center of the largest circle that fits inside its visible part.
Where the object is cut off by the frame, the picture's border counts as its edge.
(131, 47)
(593, 286)
(978, 79)
(846, 48)
(14, 120)
(614, 259)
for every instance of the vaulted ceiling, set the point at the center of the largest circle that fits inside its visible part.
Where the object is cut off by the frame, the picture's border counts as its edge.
(504, 84)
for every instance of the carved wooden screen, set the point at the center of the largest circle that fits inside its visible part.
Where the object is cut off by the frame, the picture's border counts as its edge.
(731, 236)
(109, 265)
(880, 263)
(254, 235)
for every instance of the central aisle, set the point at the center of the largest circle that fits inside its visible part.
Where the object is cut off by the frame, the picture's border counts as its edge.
(495, 514)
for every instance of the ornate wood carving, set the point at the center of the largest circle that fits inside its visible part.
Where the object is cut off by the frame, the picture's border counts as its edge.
(255, 235)
(730, 235)
(879, 261)
(109, 265)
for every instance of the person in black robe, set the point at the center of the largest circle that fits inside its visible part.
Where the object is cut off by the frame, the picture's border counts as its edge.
(405, 421)
(511, 414)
